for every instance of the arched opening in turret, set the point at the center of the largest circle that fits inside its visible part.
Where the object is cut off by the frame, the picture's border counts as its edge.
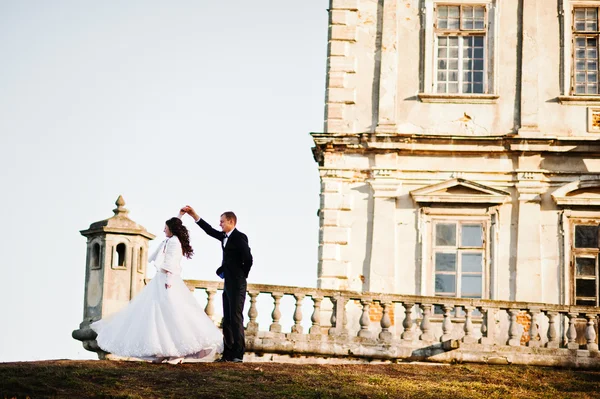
(121, 255)
(141, 259)
(95, 258)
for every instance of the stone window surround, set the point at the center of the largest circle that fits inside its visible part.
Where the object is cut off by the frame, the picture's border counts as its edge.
(427, 216)
(566, 20)
(115, 256)
(571, 213)
(429, 95)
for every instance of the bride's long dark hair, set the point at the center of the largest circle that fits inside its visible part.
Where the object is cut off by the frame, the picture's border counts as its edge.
(180, 231)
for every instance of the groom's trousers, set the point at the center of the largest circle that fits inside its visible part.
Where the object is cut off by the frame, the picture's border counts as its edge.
(234, 296)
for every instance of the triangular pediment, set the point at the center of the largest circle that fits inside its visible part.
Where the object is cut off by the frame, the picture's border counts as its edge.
(578, 193)
(460, 191)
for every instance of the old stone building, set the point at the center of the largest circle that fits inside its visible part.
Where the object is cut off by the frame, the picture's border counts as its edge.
(460, 152)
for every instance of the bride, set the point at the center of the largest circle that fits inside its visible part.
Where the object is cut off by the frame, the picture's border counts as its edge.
(164, 322)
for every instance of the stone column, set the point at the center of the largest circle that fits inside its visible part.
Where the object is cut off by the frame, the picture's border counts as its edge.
(528, 272)
(381, 275)
(388, 77)
(530, 66)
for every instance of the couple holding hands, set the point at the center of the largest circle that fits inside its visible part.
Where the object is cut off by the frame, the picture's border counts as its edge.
(164, 322)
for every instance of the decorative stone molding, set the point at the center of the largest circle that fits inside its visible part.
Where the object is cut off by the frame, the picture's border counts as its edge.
(385, 187)
(458, 98)
(530, 186)
(460, 191)
(578, 193)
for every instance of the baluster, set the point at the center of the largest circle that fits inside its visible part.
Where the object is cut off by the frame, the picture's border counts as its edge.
(210, 308)
(365, 320)
(276, 315)
(385, 334)
(341, 302)
(514, 338)
(488, 326)
(552, 335)
(534, 338)
(408, 334)
(333, 329)
(252, 326)
(447, 323)
(297, 327)
(315, 329)
(590, 333)
(469, 338)
(427, 333)
(572, 332)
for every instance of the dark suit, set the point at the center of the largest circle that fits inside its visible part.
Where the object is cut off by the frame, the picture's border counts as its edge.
(235, 267)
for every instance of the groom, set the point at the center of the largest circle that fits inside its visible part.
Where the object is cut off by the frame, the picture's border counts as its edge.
(234, 268)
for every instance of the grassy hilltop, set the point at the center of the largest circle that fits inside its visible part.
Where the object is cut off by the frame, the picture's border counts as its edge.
(106, 379)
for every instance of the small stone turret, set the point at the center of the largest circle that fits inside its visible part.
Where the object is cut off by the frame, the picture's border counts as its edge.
(117, 254)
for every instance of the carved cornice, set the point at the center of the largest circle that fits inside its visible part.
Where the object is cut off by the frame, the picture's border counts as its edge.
(416, 143)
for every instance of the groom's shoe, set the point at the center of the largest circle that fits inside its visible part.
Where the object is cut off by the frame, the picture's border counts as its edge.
(222, 360)
(237, 360)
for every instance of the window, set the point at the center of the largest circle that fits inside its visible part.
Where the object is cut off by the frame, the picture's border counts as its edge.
(121, 255)
(585, 51)
(95, 257)
(584, 249)
(141, 260)
(458, 258)
(460, 49)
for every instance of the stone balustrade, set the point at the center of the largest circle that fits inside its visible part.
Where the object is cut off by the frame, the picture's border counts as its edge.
(387, 327)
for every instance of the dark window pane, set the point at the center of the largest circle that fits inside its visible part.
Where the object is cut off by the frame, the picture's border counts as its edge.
(585, 266)
(445, 283)
(578, 302)
(585, 288)
(472, 262)
(586, 236)
(472, 235)
(445, 234)
(471, 287)
(445, 262)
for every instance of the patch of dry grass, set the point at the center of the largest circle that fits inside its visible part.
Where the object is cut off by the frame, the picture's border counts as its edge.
(133, 380)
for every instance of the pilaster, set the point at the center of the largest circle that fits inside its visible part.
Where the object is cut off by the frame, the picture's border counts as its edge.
(528, 277)
(529, 70)
(382, 269)
(388, 80)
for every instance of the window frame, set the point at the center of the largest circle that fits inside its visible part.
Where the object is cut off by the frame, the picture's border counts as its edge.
(429, 65)
(586, 34)
(567, 17)
(459, 249)
(582, 253)
(460, 33)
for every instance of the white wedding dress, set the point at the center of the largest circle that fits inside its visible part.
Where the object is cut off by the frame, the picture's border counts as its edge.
(159, 322)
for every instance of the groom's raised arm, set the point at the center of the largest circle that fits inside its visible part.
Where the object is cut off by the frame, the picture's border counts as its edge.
(208, 229)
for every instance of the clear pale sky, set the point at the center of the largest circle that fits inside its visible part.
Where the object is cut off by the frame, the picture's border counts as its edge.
(207, 103)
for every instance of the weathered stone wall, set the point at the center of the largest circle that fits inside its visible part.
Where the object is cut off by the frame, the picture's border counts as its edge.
(388, 135)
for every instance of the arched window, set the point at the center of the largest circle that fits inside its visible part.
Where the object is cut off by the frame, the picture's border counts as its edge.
(121, 255)
(95, 258)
